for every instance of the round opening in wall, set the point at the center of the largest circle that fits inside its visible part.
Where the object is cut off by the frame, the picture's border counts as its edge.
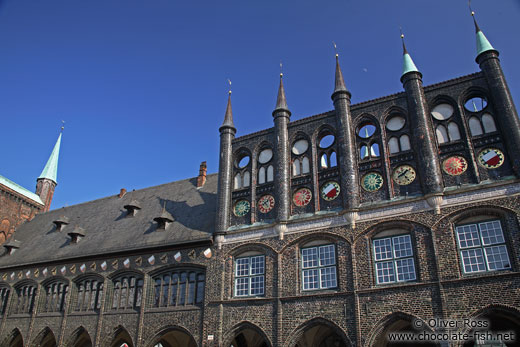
(395, 123)
(366, 130)
(475, 104)
(242, 163)
(442, 111)
(326, 141)
(300, 147)
(265, 156)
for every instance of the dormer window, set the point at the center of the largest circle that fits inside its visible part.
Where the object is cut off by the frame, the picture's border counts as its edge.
(77, 234)
(132, 207)
(164, 220)
(61, 223)
(12, 246)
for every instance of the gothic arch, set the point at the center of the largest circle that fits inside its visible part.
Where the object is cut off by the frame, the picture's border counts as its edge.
(394, 322)
(391, 111)
(173, 336)
(184, 266)
(45, 338)
(473, 91)
(443, 99)
(260, 247)
(119, 336)
(251, 330)
(14, 339)
(79, 338)
(321, 329)
(500, 318)
(121, 272)
(404, 224)
(460, 214)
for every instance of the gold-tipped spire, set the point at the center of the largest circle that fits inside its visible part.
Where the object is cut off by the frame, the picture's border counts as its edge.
(335, 48)
(62, 126)
(228, 117)
(339, 82)
(229, 81)
(281, 69)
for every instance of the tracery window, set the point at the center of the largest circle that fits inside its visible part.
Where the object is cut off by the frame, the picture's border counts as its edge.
(90, 294)
(300, 164)
(484, 124)
(266, 170)
(242, 178)
(250, 276)
(482, 247)
(128, 292)
(393, 258)
(25, 298)
(446, 130)
(369, 146)
(319, 267)
(179, 288)
(55, 296)
(401, 144)
(4, 297)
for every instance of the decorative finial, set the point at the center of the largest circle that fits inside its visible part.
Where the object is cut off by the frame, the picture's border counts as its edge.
(281, 69)
(335, 48)
(229, 81)
(62, 125)
(477, 29)
(402, 39)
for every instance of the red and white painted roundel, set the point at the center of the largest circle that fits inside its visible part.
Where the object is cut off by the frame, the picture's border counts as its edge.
(330, 191)
(491, 158)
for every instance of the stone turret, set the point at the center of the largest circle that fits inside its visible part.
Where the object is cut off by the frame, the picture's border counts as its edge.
(47, 181)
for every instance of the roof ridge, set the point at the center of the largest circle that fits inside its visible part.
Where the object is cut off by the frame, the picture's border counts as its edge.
(19, 189)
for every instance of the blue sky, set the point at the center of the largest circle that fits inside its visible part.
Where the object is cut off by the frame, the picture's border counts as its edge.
(142, 84)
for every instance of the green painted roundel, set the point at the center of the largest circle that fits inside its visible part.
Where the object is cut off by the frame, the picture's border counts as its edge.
(241, 208)
(372, 182)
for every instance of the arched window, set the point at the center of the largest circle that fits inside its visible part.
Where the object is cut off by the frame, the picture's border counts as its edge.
(128, 292)
(453, 131)
(250, 275)
(55, 296)
(393, 145)
(442, 135)
(179, 288)
(261, 175)
(474, 126)
(237, 182)
(90, 294)
(296, 167)
(333, 160)
(393, 258)
(25, 298)
(488, 123)
(4, 297)
(270, 173)
(404, 140)
(374, 150)
(324, 161)
(247, 179)
(369, 151)
(363, 153)
(482, 246)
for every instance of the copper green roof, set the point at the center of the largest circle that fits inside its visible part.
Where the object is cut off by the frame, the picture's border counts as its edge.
(19, 189)
(50, 171)
(483, 44)
(408, 64)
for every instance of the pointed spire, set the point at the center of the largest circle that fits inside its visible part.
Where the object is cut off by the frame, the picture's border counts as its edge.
(408, 64)
(339, 85)
(483, 44)
(228, 118)
(281, 102)
(50, 171)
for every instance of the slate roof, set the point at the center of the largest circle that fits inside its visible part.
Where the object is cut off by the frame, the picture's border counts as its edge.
(108, 228)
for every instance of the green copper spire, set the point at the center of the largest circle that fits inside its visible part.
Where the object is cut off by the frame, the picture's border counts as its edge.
(483, 44)
(408, 64)
(50, 171)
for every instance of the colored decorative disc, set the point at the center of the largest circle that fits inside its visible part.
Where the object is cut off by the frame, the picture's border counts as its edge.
(404, 175)
(302, 197)
(266, 203)
(372, 182)
(491, 158)
(455, 165)
(330, 191)
(242, 208)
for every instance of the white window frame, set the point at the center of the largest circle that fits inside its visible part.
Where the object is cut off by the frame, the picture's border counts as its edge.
(482, 246)
(321, 269)
(249, 276)
(393, 259)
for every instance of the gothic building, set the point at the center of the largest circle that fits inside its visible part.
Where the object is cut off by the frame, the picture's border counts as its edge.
(333, 230)
(18, 204)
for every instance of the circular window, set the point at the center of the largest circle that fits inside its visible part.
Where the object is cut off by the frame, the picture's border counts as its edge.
(395, 123)
(300, 147)
(242, 163)
(326, 141)
(366, 130)
(442, 111)
(241, 208)
(475, 104)
(265, 156)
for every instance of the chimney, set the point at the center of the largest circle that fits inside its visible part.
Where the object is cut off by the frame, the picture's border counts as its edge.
(202, 174)
(122, 192)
